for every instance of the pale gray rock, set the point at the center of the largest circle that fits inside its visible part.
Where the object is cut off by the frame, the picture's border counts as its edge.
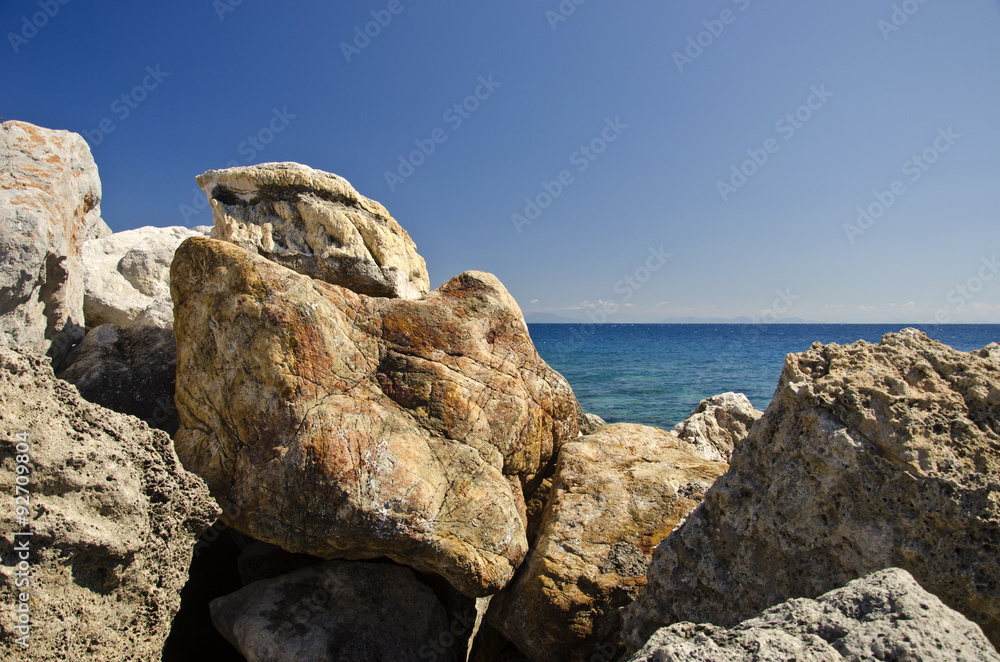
(591, 423)
(718, 424)
(337, 611)
(315, 223)
(130, 370)
(127, 276)
(113, 517)
(885, 616)
(50, 203)
(869, 457)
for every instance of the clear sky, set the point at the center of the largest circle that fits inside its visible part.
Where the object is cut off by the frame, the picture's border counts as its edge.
(653, 219)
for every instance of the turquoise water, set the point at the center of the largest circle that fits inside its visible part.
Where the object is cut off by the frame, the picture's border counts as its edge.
(656, 374)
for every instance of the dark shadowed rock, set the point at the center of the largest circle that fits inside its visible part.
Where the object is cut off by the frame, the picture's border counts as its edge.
(129, 370)
(336, 611)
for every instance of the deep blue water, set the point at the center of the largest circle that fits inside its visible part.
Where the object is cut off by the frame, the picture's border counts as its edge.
(656, 374)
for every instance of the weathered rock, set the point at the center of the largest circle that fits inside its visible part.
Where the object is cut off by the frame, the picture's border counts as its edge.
(869, 457)
(50, 203)
(315, 223)
(885, 616)
(336, 611)
(591, 423)
(127, 276)
(615, 495)
(113, 518)
(344, 426)
(717, 424)
(129, 370)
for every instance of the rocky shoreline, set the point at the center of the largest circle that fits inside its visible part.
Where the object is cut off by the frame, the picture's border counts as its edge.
(278, 420)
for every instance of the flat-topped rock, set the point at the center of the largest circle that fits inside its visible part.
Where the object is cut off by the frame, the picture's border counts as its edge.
(315, 223)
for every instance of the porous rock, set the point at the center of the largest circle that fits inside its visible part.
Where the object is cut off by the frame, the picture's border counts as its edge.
(884, 616)
(337, 611)
(50, 203)
(345, 426)
(717, 424)
(869, 457)
(315, 223)
(113, 518)
(615, 494)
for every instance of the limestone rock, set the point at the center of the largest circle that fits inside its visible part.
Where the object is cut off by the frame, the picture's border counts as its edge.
(113, 518)
(129, 370)
(345, 426)
(885, 616)
(50, 203)
(336, 611)
(127, 276)
(869, 457)
(315, 223)
(615, 495)
(717, 424)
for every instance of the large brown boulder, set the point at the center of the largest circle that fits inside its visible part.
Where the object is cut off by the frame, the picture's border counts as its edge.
(869, 457)
(315, 223)
(615, 494)
(50, 203)
(344, 426)
(112, 517)
(884, 616)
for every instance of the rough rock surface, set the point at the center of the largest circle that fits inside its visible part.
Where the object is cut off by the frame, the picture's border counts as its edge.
(615, 495)
(869, 457)
(336, 611)
(50, 203)
(885, 616)
(345, 426)
(113, 515)
(717, 424)
(129, 370)
(127, 276)
(591, 423)
(315, 223)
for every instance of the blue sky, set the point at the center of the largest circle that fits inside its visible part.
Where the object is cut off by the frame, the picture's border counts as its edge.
(613, 117)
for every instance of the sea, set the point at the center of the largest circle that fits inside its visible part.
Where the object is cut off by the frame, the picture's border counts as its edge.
(656, 374)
